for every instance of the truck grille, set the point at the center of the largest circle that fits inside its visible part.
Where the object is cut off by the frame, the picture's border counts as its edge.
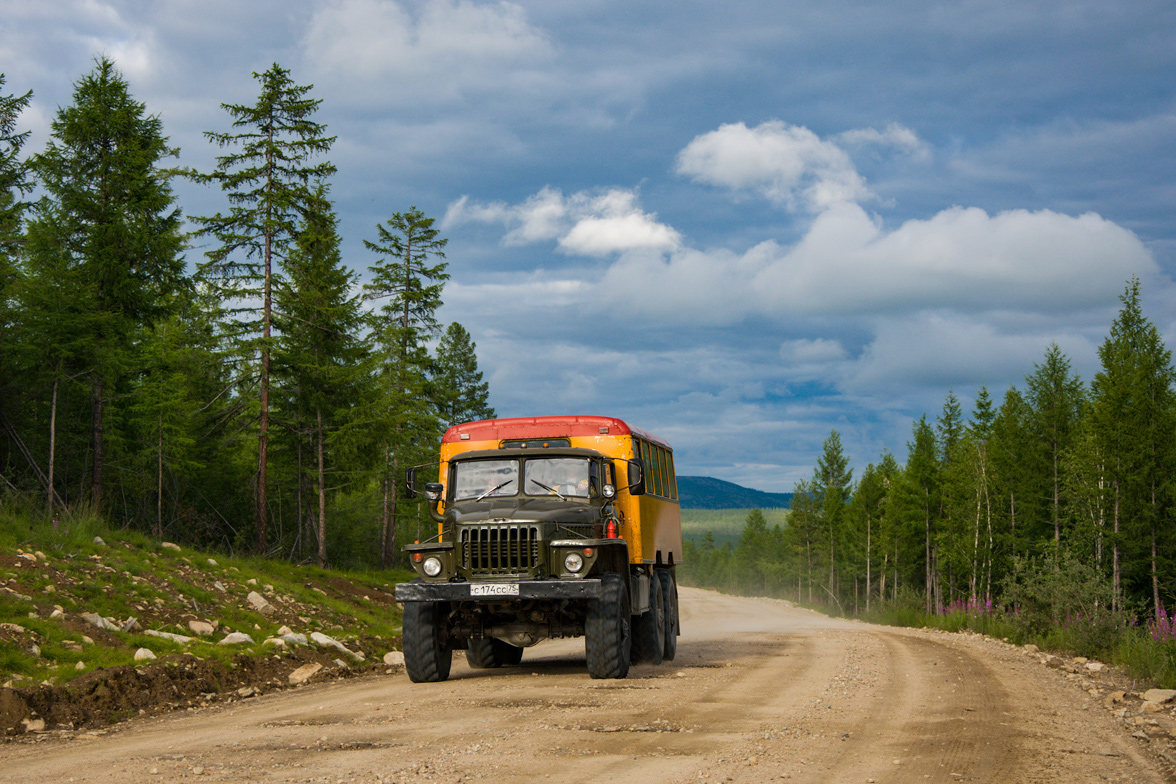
(500, 549)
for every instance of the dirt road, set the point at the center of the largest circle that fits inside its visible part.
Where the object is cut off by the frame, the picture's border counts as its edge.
(759, 692)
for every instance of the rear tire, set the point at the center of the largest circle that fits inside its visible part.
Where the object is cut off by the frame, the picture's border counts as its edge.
(670, 599)
(649, 630)
(427, 657)
(492, 652)
(607, 643)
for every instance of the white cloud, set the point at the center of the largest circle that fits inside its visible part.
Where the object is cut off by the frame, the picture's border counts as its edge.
(787, 163)
(812, 351)
(590, 224)
(941, 350)
(893, 135)
(847, 263)
(447, 47)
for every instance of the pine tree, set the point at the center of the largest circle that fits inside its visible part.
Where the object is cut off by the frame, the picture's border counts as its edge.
(917, 501)
(109, 215)
(410, 275)
(459, 391)
(319, 357)
(268, 180)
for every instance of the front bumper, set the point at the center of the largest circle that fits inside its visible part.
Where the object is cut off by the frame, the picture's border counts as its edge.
(497, 591)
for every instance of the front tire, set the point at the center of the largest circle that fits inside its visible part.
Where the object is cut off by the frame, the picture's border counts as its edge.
(427, 655)
(607, 644)
(649, 630)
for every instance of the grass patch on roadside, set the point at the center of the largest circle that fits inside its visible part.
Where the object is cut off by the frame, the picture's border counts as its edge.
(57, 565)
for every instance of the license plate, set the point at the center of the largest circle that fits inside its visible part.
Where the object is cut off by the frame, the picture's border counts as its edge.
(494, 589)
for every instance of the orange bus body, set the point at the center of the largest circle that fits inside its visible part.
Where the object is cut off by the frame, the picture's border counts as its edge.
(651, 523)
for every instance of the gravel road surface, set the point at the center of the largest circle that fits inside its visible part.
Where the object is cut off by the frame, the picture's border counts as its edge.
(760, 692)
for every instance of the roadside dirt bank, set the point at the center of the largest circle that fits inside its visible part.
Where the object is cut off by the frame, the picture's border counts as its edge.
(760, 692)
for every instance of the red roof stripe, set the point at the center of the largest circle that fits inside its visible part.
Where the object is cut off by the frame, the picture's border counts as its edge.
(545, 427)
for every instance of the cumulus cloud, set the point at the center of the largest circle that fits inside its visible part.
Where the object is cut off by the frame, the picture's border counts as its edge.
(787, 163)
(446, 47)
(940, 350)
(589, 224)
(847, 263)
(810, 351)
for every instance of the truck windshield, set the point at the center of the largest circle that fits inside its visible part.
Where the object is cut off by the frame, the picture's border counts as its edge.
(568, 477)
(485, 479)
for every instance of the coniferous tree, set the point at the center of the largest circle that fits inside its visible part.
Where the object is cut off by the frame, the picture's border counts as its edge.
(268, 179)
(319, 357)
(1132, 419)
(917, 500)
(409, 274)
(459, 391)
(15, 183)
(832, 484)
(1054, 397)
(109, 215)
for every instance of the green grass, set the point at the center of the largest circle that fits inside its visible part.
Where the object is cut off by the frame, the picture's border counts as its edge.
(105, 585)
(725, 524)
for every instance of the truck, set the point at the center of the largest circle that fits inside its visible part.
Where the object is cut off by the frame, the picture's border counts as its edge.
(547, 527)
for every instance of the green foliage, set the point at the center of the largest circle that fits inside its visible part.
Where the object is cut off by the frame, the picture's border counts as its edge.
(459, 392)
(270, 184)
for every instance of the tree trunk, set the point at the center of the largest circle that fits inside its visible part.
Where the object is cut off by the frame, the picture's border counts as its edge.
(98, 433)
(322, 493)
(53, 436)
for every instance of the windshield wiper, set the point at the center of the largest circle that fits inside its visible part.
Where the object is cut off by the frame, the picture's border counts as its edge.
(494, 489)
(549, 489)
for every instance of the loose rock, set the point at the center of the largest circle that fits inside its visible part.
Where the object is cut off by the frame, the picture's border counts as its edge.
(144, 654)
(236, 638)
(303, 673)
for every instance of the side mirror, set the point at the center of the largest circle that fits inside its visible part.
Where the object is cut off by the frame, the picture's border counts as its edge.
(636, 477)
(410, 481)
(434, 491)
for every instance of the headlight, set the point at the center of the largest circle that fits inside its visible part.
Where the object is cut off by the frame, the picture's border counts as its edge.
(573, 562)
(432, 567)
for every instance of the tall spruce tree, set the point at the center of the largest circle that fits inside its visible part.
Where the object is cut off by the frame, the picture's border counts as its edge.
(268, 179)
(459, 392)
(320, 357)
(409, 274)
(109, 215)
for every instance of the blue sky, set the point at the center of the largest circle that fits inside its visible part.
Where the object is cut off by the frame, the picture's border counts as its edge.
(738, 225)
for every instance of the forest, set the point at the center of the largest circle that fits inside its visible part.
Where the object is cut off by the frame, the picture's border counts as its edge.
(252, 397)
(1048, 514)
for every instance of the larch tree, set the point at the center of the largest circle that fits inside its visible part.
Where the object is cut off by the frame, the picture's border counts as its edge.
(320, 355)
(459, 392)
(268, 178)
(15, 183)
(832, 485)
(109, 214)
(1133, 414)
(409, 274)
(1055, 398)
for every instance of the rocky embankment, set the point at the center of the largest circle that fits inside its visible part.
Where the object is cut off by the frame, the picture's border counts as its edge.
(90, 639)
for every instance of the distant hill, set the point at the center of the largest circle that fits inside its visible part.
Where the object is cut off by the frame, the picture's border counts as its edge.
(706, 492)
